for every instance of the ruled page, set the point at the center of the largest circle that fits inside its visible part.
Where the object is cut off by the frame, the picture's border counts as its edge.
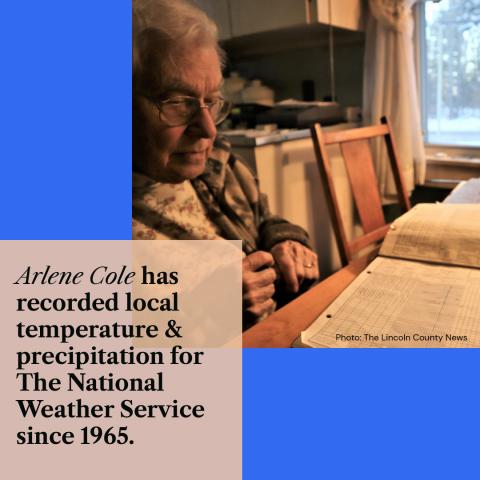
(401, 303)
(441, 233)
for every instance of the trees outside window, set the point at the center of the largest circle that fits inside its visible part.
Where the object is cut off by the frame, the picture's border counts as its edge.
(451, 72)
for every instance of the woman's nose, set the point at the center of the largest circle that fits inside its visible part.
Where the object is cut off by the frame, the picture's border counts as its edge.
(203, 125)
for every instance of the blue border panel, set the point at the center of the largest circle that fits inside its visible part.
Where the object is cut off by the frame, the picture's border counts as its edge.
(361, 414)
(66, 161)
(66, 119)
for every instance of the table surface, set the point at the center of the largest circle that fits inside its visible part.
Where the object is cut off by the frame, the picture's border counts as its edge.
(282, 328)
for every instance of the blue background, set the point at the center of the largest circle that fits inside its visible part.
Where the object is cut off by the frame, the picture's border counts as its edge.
(66, 174)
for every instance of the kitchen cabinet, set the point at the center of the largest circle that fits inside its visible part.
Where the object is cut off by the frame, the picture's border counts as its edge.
(347, 14)
(237, 18)
(254, 16)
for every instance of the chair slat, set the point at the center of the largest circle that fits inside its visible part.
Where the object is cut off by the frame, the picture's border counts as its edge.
(363, 180)
(330, 195)
(355, 134)
(403, 199)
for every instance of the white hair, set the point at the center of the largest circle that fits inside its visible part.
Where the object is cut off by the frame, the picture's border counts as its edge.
(161, 30)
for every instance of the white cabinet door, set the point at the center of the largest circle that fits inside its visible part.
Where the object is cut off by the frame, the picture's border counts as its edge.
(344, 13)
(252, 16)
(219, 12)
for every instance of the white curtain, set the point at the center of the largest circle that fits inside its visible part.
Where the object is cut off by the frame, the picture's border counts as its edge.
(390, 88)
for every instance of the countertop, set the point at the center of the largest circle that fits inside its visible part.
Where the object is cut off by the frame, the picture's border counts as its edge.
(258, 138)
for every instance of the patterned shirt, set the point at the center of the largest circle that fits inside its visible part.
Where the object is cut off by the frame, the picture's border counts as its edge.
(169, 211)
(227, 204)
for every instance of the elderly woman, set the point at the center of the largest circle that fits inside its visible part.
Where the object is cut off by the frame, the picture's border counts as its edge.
(186, 183)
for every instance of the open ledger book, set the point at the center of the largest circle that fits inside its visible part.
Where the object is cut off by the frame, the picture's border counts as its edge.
(422, 291)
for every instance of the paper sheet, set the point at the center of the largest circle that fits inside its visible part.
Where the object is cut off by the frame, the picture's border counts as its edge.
(465, 192)
(442, 233)
(401, 303)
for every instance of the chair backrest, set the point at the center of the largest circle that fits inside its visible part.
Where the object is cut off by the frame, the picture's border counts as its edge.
(355, 149)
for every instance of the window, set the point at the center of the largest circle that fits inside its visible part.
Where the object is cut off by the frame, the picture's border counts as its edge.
(450, 72)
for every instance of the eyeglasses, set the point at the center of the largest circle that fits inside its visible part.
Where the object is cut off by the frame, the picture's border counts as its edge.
(181, 110)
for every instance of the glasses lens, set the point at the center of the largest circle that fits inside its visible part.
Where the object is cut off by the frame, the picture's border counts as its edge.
(220, 110)
(179, 111)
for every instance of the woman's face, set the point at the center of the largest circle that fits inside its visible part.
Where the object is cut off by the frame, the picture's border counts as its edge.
(174, 154)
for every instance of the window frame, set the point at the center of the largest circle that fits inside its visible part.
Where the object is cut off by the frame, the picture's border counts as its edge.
(452, 151)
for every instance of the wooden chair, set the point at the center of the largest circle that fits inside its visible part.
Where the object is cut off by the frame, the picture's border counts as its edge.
(355, 149)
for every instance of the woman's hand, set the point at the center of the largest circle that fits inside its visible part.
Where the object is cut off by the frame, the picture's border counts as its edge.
(258, 279)
(295, 263)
